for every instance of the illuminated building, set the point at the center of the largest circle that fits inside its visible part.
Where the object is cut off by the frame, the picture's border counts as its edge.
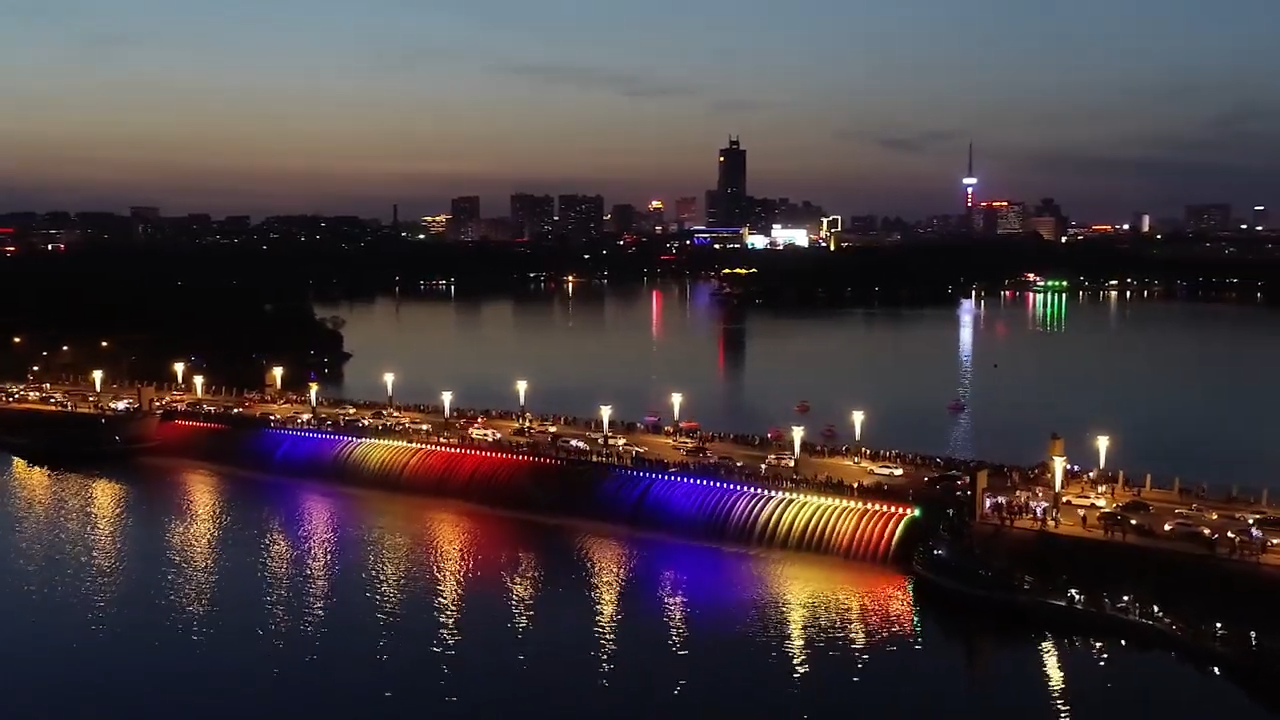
(779, 237)
(1209, 217)
(1046, 227)
(464, 214)
(436, 225)
(719, 237)
(970, 182)
(656, 219)
(727, 205)
(1000, 217)
(533, 215)
(581, 216)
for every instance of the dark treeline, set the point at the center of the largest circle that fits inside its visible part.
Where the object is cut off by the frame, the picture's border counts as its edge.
(238, 308)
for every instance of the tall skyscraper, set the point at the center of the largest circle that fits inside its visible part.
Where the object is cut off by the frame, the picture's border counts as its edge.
(582, 216)
(731, 207)
(464, 216)
(969, 181)
(533, 215)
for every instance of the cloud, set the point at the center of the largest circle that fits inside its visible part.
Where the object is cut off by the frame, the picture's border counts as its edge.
(923, 142)
(630, 85)
(593, 80)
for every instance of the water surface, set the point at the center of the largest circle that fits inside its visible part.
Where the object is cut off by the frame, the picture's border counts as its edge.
(181, 591)
(1182, 389)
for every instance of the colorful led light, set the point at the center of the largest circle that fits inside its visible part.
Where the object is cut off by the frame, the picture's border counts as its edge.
(745, 513)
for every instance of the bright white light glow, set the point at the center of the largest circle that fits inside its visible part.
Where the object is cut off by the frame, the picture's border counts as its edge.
(605, 412)
(676, 399)
(522, 386)
(858, 417)
(390, 380)
(198, 381)
(446, 398)
(97, 380)
(178, 369)
(313, 389)
(1103, 443)
(797, 434)
(1059, 467)
(278, 373)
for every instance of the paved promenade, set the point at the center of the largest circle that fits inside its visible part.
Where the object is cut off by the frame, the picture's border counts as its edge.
(549, 434)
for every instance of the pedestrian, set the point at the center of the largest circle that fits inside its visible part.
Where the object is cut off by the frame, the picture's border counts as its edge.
(1084, 520)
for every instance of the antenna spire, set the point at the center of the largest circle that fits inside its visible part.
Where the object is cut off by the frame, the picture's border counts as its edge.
(970, 159)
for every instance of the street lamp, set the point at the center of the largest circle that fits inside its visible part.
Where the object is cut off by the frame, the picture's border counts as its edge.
(522, 386)
(313, 389)
(605, 412)
(198, 381)
(390, 380)
(178, 369)
(858, 417)
(278, 373)
(1059, 467)
(797, 434)
(447, 398)
(676, 399)
(1103, 443)
(97, 380)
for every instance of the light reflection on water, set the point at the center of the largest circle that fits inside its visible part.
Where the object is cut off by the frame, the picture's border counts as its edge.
(385, 605)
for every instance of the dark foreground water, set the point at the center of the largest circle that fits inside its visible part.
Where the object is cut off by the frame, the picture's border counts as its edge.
(1182, 389)
(179, 592)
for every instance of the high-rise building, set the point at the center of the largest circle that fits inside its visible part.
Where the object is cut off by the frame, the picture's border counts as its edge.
(533, 215)
(727, 205)
(1260, 217)
(436, 225)
(687, 212)
(1209, 217)
(581, 217)
(999, 217)
(622, 218)
(464, 216)
(656, 219)
(970, 183)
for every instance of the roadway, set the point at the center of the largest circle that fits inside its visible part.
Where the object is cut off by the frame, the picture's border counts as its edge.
(655, 446)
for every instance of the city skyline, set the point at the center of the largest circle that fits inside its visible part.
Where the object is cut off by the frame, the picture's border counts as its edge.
(342, 110)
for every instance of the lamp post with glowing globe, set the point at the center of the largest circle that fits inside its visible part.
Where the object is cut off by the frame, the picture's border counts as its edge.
(797, 437)
(313, 393)
(277, 373)
(178, 369)
(97, 380)
(446, 398)
(676, 400)
(390, 380)
(198, 382)
(1059, 469)
(606, 411)
(522, 387)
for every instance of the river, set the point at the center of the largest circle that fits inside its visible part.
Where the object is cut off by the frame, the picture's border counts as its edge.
(1181, 389)
(174, 590)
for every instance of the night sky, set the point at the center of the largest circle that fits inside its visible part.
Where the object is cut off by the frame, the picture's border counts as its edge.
(1110, 106)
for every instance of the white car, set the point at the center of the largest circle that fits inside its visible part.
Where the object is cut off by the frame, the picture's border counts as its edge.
(595, 435)
(572, 444)
(1250, 515)
(780, 460)
(484, 433)
(346, 410)
(1085, 498)
(1180, 527)
(631, 448)
(886, 469)
(1197, 513)
(546, 429)
(614, 440)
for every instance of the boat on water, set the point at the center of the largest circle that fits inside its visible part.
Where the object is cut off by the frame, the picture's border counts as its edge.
(957, 406)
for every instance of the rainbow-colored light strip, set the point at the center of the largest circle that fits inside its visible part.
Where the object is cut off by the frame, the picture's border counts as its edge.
(737, 487)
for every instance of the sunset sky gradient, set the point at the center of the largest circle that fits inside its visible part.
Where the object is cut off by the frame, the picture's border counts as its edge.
(231, 106)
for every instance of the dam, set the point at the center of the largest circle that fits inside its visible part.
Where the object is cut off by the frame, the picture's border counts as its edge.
(700, 509)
